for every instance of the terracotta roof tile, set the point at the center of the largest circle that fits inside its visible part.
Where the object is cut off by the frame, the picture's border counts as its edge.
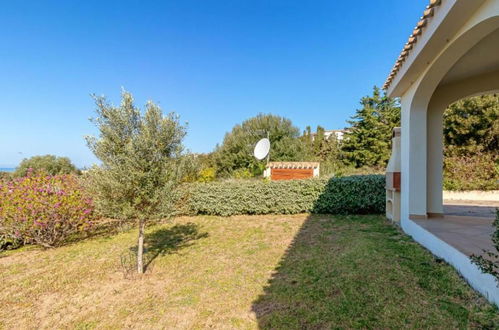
(413, 38)
(305, 165)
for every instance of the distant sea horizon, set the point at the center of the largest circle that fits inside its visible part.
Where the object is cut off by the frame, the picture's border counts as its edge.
(7, 169)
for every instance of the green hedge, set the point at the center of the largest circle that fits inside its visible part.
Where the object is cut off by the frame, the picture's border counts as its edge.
(347, 195)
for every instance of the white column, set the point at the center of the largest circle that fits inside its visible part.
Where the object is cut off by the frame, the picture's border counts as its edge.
(417, 163)
(404, 159)
(434, 167)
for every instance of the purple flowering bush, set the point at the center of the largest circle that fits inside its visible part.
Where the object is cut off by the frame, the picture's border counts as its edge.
(44, 210)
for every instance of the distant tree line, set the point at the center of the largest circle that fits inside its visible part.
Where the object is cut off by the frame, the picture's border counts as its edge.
(471, 140)
(366, 143)
(471, 134)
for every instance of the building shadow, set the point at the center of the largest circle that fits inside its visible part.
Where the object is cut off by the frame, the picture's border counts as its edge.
(344, 271)
(296, 288)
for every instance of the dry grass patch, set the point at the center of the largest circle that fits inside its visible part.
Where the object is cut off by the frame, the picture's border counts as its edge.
(245, 272)
(205, 272)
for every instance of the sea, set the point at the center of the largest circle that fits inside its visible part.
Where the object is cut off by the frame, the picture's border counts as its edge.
(7, 169)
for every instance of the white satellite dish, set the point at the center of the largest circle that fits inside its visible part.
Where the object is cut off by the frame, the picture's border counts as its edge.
(262, 149)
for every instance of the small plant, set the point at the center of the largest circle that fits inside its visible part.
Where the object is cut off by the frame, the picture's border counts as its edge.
(43, 210)
(7, 243)
(207, 174)
(128, 264)
(242, 173)
(490, 265)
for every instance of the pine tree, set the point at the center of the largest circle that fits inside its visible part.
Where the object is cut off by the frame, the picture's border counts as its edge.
(367, 142)
(319, 139)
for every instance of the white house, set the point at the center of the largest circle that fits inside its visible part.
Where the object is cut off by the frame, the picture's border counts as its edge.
(338, 133)
(452, 53)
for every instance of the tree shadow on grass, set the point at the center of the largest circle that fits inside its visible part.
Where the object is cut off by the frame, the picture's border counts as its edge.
(169, 240)
(165, 241)
(304, 291)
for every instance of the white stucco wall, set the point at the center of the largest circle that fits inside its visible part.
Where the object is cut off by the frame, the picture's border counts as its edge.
(423, 100)
(492, 195)
(483, 283)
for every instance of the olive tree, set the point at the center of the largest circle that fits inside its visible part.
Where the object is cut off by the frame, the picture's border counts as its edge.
(141, 162)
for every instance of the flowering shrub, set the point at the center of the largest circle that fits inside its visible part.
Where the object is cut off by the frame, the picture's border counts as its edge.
(43, 210)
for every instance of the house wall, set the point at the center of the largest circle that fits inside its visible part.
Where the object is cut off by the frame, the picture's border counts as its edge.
(423, 100)
(474, 195)
(423, 104)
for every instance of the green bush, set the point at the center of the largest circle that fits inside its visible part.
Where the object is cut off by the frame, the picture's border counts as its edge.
(347, 195)
(207, 174)
(8, 243)
(489, 261)
(479, 171)
(47, 164)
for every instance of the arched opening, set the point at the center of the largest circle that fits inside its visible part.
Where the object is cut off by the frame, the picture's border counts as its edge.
(471, 156)
(474, 73)
(469, 66)
(455, 57)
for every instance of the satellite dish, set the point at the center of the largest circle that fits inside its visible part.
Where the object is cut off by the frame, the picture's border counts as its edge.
(262, 149)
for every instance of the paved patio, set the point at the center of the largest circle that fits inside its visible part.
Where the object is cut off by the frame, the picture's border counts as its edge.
(471, 208)
(465, 226)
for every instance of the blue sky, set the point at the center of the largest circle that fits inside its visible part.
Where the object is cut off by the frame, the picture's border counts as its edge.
(215, 63)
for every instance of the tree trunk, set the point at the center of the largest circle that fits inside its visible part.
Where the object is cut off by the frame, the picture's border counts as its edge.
(140, 245)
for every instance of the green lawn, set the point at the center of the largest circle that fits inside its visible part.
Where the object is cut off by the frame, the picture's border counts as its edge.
(289, 272)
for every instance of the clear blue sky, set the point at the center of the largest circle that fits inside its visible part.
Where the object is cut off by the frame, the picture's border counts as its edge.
(215, 63)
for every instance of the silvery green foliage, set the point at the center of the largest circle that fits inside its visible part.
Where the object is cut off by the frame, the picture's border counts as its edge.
(141, 159)
(363, 194)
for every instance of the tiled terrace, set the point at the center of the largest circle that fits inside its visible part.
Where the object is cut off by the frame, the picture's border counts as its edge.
(465, 226)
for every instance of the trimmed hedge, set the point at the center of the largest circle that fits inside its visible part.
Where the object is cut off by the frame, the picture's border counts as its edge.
(363, 194)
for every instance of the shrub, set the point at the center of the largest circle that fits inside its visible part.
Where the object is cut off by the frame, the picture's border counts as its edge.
(242, 173)
(7, 243)
(5, 176)
(347, 195)
(207, 174)
(489, 262)
(43, 210)
(479, 171)
(47, 164)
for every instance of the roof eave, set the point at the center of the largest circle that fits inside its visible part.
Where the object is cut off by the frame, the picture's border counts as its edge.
(433, 36)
